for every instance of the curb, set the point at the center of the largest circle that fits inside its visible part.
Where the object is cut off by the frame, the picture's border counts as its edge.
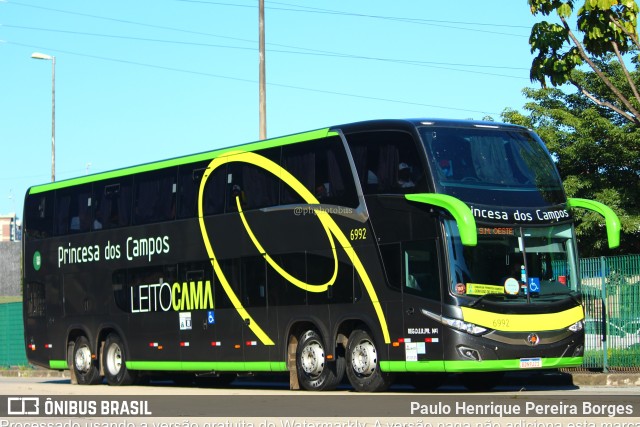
(597, 379)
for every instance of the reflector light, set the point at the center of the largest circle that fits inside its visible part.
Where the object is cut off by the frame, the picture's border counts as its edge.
(216, 343)
(184, 344)
(48, 346)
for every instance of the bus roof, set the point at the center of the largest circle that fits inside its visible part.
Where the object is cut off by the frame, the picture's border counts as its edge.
(267, 143)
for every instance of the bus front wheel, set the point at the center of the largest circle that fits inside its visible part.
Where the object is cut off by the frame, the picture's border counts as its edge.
(363, 364)
(84, 366)
(315, 373)
(114, 362)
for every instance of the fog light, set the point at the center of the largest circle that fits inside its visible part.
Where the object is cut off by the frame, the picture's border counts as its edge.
(469, 353)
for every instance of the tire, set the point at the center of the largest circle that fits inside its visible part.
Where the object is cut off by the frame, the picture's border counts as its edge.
(114, 359)
(315, 373)
(84, 367)
(363, 367)
(481, 381)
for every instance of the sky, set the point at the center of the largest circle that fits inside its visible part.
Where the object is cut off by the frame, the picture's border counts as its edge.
(139, 81)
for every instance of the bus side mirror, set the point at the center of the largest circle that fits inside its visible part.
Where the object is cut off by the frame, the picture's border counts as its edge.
(611, 219)
(457, 208)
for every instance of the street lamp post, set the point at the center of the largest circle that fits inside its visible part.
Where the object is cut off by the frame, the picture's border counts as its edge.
(38, 55)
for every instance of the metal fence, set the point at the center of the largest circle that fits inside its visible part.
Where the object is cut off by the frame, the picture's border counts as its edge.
(611, 295)
(12, 349)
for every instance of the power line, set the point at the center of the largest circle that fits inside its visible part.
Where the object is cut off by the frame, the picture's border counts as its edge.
(429, 22)
(220, 76)
(428, 64)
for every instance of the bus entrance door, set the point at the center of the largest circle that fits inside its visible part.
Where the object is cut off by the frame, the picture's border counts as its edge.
(422, 307)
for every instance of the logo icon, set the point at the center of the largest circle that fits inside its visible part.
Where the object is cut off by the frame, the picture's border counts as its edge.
(23, 406)
(37, 260)
(533, 339)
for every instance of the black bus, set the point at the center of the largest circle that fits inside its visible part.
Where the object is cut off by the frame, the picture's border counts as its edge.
(375, 249)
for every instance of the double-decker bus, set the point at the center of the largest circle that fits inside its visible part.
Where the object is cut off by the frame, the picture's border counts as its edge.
(379, 248)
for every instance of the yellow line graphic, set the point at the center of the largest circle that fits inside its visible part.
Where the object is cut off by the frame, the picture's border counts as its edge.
(329, 225)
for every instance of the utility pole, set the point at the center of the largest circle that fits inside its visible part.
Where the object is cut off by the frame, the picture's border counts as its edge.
(263, 89)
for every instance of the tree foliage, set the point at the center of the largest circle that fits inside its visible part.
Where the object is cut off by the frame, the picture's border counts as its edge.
(597, 156)
(609, 33)
(593, 131)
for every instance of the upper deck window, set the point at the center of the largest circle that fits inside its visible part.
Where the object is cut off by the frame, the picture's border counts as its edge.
(469, 163)
(387, 162)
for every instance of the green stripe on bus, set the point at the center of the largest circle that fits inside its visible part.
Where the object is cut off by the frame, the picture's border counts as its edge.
(474, 366)
(254, 146)
(426, 366)
(58, 364)
(144, 365)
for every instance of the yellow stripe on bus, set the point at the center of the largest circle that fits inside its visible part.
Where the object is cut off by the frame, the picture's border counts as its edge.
(326, 220)
(523, 322)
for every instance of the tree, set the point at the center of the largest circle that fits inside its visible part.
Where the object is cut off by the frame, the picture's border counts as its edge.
(593, 131)
(598, 158)
(609, 29)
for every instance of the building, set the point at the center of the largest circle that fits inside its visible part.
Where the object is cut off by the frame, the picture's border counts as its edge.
(9, 228)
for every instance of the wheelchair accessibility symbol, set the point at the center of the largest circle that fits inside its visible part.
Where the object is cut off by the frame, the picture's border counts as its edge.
(211, 318)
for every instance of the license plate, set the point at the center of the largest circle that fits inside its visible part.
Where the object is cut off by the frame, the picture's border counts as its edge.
(531, 362)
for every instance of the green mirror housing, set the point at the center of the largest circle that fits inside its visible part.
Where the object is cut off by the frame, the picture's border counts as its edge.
(611, 219)
(457, 208)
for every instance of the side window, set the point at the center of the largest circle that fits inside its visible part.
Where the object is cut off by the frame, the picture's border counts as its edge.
(319, 270)
(38, 219)
(281, 292)
(420, 269)
(252, 185)
(387, 162)
(254, 282)
(35, 298)
(113, 203)
(73, 210)
(155, 196)
(190, 177)
(321, 166)
(392, 261)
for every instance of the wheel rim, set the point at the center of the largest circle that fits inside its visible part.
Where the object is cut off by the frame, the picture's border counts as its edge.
(83, 359)
(364, 358)
(114, 359)
(312, 359)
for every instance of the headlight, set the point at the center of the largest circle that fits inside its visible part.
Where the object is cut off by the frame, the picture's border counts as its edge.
(463, 326)
(577, 327)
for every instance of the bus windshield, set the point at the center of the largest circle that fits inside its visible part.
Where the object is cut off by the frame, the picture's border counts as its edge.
(510, 262)
(471, 162)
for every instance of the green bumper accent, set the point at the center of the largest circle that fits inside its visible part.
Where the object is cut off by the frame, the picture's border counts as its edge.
(206, 366)
(509, 364)
(473, 366)
(456, 207)
(427, 366)
(610, 218)
(58, 364)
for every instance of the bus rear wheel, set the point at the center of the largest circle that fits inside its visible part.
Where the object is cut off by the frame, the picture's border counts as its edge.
(363, 367)
(114, 362)
(315, 373)
(84, 367)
